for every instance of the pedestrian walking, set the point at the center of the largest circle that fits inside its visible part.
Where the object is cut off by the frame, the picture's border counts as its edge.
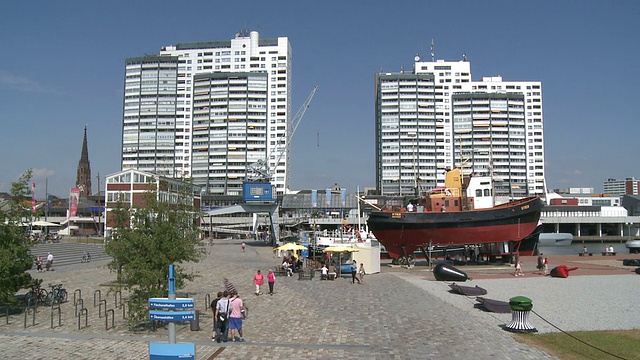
(540, 266)
(258, 280)
(214, 305)
(518, 271)
(222, 318)
(354, 272)
(228, 286)
(49, 262)
(271, 279)
(361, 273)
(39, 264)
(236, 307)
(546, 265)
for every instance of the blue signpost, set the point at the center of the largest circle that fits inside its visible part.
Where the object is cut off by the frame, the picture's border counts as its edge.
(164, 309)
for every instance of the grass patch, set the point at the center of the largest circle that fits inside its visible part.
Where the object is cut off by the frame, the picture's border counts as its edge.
(622, 344)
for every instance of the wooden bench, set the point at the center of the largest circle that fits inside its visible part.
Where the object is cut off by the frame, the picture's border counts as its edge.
(280, 271)
(608, 253)
(585, 254)
(306, 274)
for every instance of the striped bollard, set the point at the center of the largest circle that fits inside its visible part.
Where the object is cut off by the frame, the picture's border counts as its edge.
(520, 308)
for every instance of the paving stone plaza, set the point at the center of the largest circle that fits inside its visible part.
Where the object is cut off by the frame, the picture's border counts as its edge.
(389, 316)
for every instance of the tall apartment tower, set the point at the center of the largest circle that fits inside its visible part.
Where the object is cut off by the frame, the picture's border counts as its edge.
(83, 175)
(436, 117)
(208, 110)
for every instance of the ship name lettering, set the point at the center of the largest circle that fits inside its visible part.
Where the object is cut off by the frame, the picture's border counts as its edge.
(396, 215)
(525, 207)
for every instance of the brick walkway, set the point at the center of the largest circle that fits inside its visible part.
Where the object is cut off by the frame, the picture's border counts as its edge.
(390, 316)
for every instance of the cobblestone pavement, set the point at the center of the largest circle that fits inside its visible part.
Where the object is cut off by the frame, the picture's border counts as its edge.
(389, 316)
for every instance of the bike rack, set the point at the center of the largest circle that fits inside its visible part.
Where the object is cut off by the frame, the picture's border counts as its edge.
(95, 303)
(59, 315)
(100, 308)
(117, 298)
(79, 296)
(6, 315)
(207, 302)
(33, 302)
(27, 310)
(86, 317)
(106, 319)
(81, 302)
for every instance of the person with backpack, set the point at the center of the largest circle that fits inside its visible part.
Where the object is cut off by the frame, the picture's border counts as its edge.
(222, 317)
(214, 304)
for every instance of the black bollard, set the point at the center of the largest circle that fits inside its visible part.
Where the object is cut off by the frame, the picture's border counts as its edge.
(446, 272)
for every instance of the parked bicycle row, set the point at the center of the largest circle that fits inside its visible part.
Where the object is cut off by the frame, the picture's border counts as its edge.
(56, 294)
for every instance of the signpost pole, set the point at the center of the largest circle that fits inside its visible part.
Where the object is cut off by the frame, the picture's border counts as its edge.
(172, 296)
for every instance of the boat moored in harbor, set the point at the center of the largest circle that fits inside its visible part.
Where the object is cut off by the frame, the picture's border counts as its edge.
(460, 213)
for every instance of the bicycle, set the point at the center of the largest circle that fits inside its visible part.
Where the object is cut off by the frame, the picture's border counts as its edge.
(58, 294)
(38, 293)
(86, 257)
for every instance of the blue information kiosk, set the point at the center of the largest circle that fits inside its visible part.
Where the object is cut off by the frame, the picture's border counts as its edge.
(165, 309)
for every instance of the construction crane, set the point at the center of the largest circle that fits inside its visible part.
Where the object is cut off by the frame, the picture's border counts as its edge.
(260, 171)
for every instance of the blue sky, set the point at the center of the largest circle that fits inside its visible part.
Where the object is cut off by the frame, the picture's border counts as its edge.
(62, 68)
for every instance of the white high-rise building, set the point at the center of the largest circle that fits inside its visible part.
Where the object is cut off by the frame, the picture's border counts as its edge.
(628, 186)
(436, 118)
(208, 110)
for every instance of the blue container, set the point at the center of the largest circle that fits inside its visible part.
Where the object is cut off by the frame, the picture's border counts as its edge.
(345, 268)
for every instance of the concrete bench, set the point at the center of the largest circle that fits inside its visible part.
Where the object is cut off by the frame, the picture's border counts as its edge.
(608, 253)
(585, 254)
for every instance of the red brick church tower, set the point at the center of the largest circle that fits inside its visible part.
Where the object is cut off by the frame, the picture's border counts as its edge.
(83, 179)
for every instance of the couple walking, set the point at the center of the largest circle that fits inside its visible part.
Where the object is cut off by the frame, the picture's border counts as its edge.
(228, 311)
(258, 280)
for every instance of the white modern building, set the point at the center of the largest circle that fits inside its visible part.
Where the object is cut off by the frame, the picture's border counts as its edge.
(628, 186)
(436, 117)
(207, 110)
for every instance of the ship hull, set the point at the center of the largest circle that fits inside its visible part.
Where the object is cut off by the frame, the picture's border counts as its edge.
(403, 232)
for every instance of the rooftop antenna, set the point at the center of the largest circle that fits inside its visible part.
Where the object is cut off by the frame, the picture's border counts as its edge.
(433, 53)
(464, 56)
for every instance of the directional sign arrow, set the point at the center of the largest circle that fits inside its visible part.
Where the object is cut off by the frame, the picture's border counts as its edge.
(171, 316)
(177, 304)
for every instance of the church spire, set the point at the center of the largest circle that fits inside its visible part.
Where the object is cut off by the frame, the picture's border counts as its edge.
(83, 178)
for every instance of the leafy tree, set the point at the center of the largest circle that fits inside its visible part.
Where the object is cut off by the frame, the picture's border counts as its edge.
(15, 255)
(146, 241)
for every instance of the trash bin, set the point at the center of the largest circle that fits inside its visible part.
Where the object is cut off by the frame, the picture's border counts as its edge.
(195, 323)
(520, 308)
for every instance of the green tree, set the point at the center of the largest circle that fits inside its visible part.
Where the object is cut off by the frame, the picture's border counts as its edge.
(15, 254)
(146, 241)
